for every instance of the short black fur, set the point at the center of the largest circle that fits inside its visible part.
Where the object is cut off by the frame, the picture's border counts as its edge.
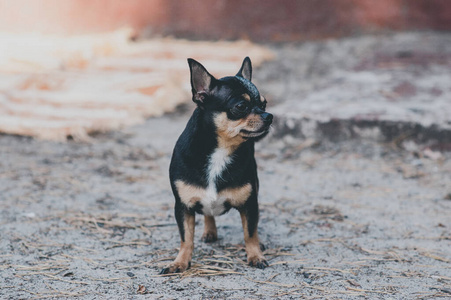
(201, 138)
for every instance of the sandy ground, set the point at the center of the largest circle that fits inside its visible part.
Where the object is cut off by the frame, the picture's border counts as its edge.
(357, 219)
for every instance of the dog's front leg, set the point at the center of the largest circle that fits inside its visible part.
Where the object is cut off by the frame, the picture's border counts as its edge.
(186, 223)
(249, 218)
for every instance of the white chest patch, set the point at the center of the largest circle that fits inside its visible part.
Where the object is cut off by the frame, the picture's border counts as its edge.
(218, 162)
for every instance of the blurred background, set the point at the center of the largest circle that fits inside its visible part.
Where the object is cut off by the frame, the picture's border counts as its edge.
(355, 173)
(289, 20)
(72, 67)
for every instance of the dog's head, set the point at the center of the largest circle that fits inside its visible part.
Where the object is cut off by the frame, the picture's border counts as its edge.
(233, 103)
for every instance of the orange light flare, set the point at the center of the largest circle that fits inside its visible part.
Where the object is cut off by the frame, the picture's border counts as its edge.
(37, 52)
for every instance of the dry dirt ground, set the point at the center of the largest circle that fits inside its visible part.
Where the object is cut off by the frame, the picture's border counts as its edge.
(355, 219)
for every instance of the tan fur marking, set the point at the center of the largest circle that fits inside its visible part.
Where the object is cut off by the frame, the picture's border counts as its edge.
(246, 97)
(229, 132)
(189, 194)
(254, 122)
(262, 99)
(210, 224)
(186, 248)
(237, 196)
(254, 253)
(210, 231)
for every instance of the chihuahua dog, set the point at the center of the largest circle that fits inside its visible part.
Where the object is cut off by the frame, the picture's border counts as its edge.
(213, 168)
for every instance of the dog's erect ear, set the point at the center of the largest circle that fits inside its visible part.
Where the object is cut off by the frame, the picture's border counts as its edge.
(201, 81)
(246, 69)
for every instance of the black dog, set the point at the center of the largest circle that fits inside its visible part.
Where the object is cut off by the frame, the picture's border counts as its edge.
(213, 167)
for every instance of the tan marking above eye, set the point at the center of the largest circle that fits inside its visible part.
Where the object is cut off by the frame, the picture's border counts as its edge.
(237, 196)
(189, 194)
(246, 97)
(262, 99)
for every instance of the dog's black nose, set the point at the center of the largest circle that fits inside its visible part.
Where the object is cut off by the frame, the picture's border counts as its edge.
(267, 117)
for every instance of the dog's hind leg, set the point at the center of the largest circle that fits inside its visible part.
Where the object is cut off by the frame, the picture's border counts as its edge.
(210, 232)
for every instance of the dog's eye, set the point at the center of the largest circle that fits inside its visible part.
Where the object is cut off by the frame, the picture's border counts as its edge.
(263, 105)
(241, 107)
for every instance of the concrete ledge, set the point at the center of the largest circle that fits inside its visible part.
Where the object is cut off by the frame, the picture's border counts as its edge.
(386, 88)
(343, 129)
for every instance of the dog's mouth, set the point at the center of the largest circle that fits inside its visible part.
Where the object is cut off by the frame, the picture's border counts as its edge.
(251, 134)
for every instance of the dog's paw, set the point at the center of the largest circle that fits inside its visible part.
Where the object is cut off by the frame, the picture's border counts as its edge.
(175, 267)
(258, 262)
(209, 237)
